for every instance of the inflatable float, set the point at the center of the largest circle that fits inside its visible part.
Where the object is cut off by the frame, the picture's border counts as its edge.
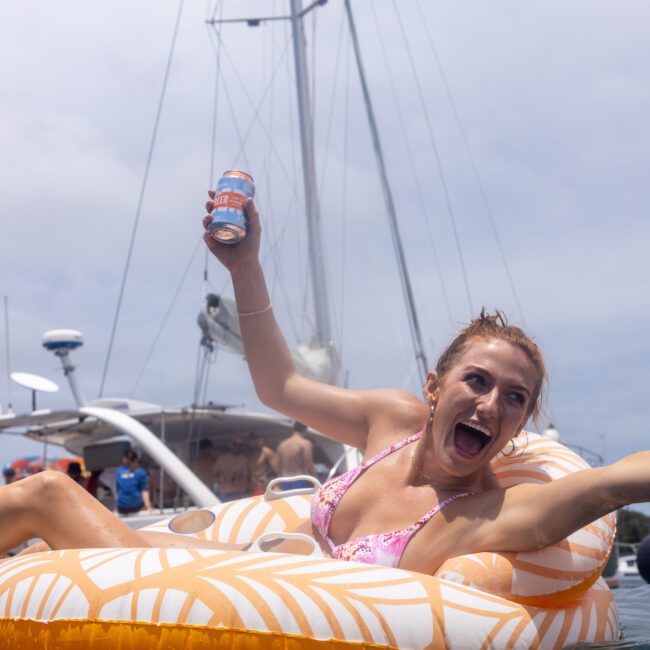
(195, 599)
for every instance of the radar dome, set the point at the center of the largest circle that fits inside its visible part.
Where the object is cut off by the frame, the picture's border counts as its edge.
(56, 340)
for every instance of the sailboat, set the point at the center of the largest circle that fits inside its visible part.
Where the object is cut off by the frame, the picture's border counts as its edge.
(90, 427)
(99, 429)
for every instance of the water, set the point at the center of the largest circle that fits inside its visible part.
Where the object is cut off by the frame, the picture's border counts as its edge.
(634, 607)
(633, 601)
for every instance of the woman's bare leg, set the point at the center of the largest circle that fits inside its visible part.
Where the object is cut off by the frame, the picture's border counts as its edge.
(50, 505)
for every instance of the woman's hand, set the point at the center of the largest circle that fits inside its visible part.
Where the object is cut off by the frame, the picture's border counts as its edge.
(234, 255)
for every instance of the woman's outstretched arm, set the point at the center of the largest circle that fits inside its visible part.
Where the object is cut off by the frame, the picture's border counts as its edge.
(529, 517)
(342, 414)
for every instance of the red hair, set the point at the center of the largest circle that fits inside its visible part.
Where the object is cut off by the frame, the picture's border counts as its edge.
(488, 326)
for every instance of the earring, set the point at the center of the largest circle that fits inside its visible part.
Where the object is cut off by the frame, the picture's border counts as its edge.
(431, 410)
(512, 451)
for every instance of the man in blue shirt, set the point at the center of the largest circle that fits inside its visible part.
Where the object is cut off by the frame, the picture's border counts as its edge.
(132, 485)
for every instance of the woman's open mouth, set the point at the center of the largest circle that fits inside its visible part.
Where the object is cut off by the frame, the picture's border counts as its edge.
(470, 439)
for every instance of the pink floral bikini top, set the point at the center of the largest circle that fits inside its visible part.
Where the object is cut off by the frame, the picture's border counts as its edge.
(381, 548)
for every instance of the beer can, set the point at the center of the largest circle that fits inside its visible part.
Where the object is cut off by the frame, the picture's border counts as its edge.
(228, 223)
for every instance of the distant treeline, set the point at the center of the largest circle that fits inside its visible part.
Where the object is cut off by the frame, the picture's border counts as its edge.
(632, 527)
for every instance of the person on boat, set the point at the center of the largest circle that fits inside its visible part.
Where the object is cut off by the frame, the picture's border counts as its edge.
(425, 491)
(9, 474)
(203, 465)
(295, 456)
(75, 472)
(232, 473)
(262, 463)
(132, 483)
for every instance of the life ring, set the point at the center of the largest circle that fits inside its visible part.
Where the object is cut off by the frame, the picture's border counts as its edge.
(190, 598)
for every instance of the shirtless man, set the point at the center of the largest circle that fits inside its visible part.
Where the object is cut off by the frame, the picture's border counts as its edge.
(203, 465)
(295, 456)
(262, 462)
(232, 472)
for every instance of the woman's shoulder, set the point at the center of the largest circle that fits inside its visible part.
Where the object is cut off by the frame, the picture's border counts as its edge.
(399, 405)
(397, 414)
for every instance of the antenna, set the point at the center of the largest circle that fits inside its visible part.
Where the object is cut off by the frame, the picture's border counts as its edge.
(62, 342)
(35, 383)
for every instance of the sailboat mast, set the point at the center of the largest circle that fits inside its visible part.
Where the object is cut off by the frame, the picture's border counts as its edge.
(390, 206)
(316, 258)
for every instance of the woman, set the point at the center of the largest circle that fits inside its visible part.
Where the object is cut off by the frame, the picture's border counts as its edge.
(425, 492)
(421, 498)
(132, 485)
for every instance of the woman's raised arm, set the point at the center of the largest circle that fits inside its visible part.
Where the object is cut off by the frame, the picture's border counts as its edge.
(342, 414)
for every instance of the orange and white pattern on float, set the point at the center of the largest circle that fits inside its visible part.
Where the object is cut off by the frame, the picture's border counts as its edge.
(550, 577)
(157, 598)
(555, 575)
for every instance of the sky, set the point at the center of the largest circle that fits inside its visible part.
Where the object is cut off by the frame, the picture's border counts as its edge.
(528, 120)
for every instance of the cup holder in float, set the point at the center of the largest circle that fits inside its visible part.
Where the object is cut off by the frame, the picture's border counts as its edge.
(192, 521)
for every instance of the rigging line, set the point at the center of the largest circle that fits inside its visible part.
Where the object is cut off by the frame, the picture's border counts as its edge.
(292, 183)
(436, 152)
(326, 147)
(198, 374)
(233, 114)
(281, 165)
(141, 197)
(274, 254)
(472, 161)
(165, 318)
(408, 377)
(414, 172)
(332, 97)
(215, 109)
(311, 93)
(344, 197)
(275, 240)
(213, 147)
(306, 295)
(402, 346)
(294, 140)
(314, 15)
(398, 247)
(255, 110)
(210, 360)
(8, 355)
(267, 154)
(292, 131)
(211, 13)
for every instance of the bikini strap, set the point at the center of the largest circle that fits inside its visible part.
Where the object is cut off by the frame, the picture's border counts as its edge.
(435, 510)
